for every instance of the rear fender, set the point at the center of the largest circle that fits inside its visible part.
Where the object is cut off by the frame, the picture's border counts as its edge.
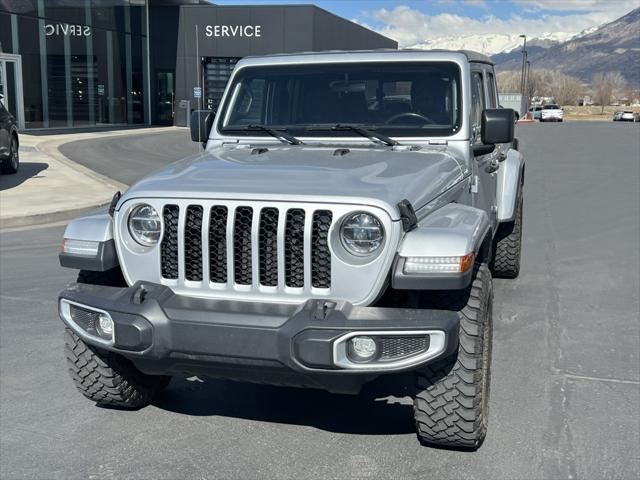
(510, 178)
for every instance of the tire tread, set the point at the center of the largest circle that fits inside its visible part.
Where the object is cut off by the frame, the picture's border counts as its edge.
(449, 409)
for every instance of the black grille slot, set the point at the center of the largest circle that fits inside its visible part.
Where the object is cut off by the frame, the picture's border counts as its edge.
(269, 247)
(394, 348)
(294, 248)
(218, 244)
(242, 245)
(169, 245)
(193, 244)
(320, 254)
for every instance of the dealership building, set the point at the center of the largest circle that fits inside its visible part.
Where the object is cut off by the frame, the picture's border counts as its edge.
(84, 63)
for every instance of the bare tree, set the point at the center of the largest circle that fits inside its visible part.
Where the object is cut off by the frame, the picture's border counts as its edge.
(604, 85)
(508, 81)
(565, 89)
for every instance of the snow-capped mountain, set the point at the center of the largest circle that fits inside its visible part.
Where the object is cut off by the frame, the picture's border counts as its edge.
(492, 44)
(612, 47)
(500, 43)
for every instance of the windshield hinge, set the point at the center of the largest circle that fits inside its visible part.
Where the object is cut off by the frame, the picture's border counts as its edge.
(407, 215)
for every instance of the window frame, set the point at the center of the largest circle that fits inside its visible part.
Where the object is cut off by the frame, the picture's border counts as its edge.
(223, 130)
(476, 139)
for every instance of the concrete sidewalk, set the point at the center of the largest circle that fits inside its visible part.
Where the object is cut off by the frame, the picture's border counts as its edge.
(49, 187)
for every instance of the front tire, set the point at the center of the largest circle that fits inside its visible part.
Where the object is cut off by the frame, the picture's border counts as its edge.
(11, 164)
(452, 406)
(107, 378)
(507, 245)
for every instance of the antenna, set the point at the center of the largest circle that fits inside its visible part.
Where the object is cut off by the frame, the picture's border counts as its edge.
(200, 91)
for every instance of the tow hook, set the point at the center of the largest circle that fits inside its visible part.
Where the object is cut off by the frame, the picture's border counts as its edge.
(323, 309)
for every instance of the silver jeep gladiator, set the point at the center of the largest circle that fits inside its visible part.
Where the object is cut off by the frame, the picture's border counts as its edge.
(343, 223)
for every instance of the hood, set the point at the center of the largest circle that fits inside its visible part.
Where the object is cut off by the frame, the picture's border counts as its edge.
(365, 176)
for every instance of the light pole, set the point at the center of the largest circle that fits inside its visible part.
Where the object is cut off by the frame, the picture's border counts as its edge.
(526, 84)
(522, 72)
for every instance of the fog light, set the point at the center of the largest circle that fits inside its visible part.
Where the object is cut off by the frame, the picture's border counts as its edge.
(362, 348)
(105, 326)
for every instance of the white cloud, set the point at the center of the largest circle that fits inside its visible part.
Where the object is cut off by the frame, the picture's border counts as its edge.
(475, 3)
(409, 26)
(586, 5)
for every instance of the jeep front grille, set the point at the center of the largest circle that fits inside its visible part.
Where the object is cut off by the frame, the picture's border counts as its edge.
(276, 247)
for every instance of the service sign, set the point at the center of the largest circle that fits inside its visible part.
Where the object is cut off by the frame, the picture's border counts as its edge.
(250, 31)
(64, 29)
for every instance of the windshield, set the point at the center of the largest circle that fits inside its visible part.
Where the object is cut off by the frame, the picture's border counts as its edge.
(400, 99)
(551, 107)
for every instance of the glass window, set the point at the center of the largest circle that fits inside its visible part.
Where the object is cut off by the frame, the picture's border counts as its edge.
(216, 74)
(6, 42)
(491, 91)
(83, 62)
(477, 106)
(403, 99)
(29, 41)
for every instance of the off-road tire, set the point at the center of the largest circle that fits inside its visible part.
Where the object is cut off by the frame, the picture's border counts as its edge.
(107, 378)
(507, 245)
(108, 278)
(451, 407)
(12, 163)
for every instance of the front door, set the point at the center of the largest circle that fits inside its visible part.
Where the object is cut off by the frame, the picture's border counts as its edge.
(11, 86)
(484, 173)
(164, 97)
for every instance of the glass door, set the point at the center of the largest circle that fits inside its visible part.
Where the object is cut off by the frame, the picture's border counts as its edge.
(11, 86)
(164, 97)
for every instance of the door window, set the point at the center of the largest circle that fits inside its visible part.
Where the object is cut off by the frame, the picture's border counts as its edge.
(491, 91)
(477, 105)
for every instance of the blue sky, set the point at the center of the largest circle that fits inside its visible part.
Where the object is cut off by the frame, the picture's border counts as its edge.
(412, 21)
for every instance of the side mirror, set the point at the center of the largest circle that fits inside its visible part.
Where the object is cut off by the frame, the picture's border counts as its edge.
(201, 123)
(497, 126)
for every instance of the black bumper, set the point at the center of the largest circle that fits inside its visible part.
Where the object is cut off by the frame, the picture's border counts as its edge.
(164, 333)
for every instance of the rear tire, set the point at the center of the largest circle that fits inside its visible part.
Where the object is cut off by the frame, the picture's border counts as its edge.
(507, 245)
(452, 407)
(11, 164)
(107, 378)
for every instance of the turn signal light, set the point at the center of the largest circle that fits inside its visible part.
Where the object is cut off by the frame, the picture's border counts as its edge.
(453, 264)
(80, 247)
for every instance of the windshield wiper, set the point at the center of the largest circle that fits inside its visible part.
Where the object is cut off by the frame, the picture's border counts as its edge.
(279, 134)
(366, 133)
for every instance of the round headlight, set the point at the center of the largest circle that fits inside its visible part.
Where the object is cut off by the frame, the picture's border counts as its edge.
(362, 233)
(144, 225)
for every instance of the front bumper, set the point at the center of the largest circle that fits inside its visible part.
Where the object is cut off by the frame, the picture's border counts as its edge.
(299, 345)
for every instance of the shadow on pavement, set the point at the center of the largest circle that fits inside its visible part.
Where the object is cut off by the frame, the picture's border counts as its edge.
(372, 412)
(26, 171)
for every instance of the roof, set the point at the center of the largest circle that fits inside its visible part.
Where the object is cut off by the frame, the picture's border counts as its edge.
(415, 52)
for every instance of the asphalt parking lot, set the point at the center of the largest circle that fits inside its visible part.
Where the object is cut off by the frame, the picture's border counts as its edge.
(565, 395)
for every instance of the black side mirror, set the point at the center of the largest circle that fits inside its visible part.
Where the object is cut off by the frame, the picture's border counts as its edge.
(497, 126)
(201, 123)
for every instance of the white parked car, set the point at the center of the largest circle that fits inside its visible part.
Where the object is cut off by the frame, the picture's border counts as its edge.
(551, 113)
(627, 117)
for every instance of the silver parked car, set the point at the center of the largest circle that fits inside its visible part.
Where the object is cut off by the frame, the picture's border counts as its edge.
(343, 223)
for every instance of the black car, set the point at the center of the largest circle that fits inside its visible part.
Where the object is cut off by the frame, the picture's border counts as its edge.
(9, 159)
